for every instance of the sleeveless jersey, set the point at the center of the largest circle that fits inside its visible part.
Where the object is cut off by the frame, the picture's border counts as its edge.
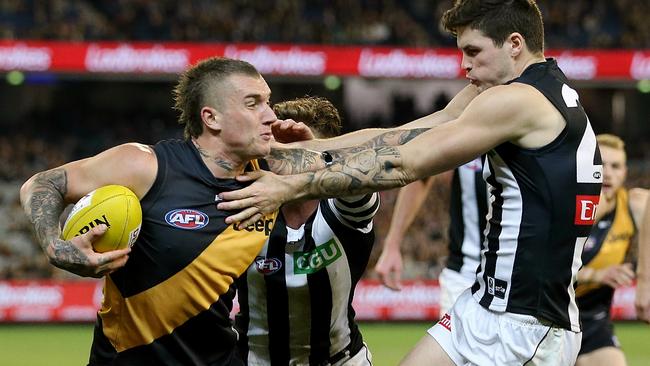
(608, 244)
(542, 205)
(296, 298)
(467, 211)
(170, 303)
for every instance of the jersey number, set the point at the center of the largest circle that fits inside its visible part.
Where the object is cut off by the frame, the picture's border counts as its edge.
(587, 171)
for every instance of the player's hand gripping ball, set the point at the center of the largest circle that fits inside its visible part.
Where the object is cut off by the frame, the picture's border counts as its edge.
(115, 206)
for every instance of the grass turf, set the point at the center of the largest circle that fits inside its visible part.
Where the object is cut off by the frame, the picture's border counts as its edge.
(37, 345)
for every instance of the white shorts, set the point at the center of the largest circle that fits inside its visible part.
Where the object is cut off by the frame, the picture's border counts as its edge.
(473, 335)
(452, 284)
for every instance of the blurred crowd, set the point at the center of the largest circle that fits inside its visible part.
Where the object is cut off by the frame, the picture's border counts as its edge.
(575, 24)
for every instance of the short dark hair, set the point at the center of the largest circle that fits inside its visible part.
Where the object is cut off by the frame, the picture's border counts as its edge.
(316, 112)
(195, 83)
(497, 19)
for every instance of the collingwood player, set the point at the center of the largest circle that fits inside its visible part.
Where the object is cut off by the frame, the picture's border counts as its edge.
(296, 297)
(467, 212)
(544, 175)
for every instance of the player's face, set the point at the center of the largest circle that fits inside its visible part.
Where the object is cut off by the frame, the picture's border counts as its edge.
(485, 64)
(247, 116)
(614, 170)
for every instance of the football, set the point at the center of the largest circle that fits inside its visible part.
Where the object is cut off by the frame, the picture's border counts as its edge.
(115, 206)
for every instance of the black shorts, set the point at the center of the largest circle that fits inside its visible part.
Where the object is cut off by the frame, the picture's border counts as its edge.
(597, 332)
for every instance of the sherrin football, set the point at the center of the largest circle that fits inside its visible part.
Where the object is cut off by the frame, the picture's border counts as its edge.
(115, 206)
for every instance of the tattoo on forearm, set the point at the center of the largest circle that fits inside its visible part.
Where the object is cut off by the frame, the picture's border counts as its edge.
(293, 161)
(394, 138)
(358, 172)
(45, 204)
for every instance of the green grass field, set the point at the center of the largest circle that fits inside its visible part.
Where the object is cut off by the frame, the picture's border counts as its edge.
(67, 345)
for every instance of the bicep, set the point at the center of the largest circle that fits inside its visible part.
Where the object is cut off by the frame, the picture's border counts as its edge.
(130, 165)
(486, 123)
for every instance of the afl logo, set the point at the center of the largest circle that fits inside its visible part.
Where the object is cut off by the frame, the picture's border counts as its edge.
(267, 266)
(186, 218)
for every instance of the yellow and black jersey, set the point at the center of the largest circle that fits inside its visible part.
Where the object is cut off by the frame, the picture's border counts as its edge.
(607, 245)
(170, 304)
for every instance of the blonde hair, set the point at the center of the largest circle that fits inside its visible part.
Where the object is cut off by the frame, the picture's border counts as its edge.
(316, 112)
(611, 141)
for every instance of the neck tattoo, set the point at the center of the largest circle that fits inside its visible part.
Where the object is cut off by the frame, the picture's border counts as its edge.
(225, 165)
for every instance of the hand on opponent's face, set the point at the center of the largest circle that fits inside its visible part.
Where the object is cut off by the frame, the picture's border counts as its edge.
(288, 130)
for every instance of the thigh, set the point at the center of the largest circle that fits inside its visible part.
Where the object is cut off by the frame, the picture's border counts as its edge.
(608, 356)
(427, 352)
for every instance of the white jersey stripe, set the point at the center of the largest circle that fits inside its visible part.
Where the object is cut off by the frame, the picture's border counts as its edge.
(471, 246)
(574, 315)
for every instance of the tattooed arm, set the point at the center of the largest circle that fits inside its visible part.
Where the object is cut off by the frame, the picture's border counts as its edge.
(452, 111)
(45, 195)
(297, 160)
(439, 149)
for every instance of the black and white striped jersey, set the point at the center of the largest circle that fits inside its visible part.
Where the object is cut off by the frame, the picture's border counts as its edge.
(296, 298)
(542, 205)
(467, 211)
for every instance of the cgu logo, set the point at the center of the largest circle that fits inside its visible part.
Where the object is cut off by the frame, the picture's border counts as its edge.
(187, 218)
(267, 266)
(586, 209)
(261, 225)
(92, 224)
(316, 259)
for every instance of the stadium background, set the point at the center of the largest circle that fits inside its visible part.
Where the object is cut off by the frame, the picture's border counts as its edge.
(59, 103)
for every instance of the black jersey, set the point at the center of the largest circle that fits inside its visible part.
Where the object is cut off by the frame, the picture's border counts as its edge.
(468, 207)
(296, 299)
(542, 207)
(170, 303)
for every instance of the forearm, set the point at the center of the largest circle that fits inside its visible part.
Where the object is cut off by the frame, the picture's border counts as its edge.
(452, 111)
(408, 203)
(643, 265)
(298, 160)
(358, 172)
(42, 198)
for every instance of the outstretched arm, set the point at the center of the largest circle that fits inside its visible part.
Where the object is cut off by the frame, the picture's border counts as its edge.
(451, 112)
(286, 161)
(357, 170)
(409, 200)
(640, 205)
(45, 195)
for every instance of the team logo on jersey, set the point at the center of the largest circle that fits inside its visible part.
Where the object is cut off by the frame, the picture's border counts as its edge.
(497, 287)
(586, 209)
(446, 322)
(267, 266)
(316, 259)
(187, 219)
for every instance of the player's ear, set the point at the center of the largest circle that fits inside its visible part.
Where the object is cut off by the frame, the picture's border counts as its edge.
(516, 43)
(211, 118)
